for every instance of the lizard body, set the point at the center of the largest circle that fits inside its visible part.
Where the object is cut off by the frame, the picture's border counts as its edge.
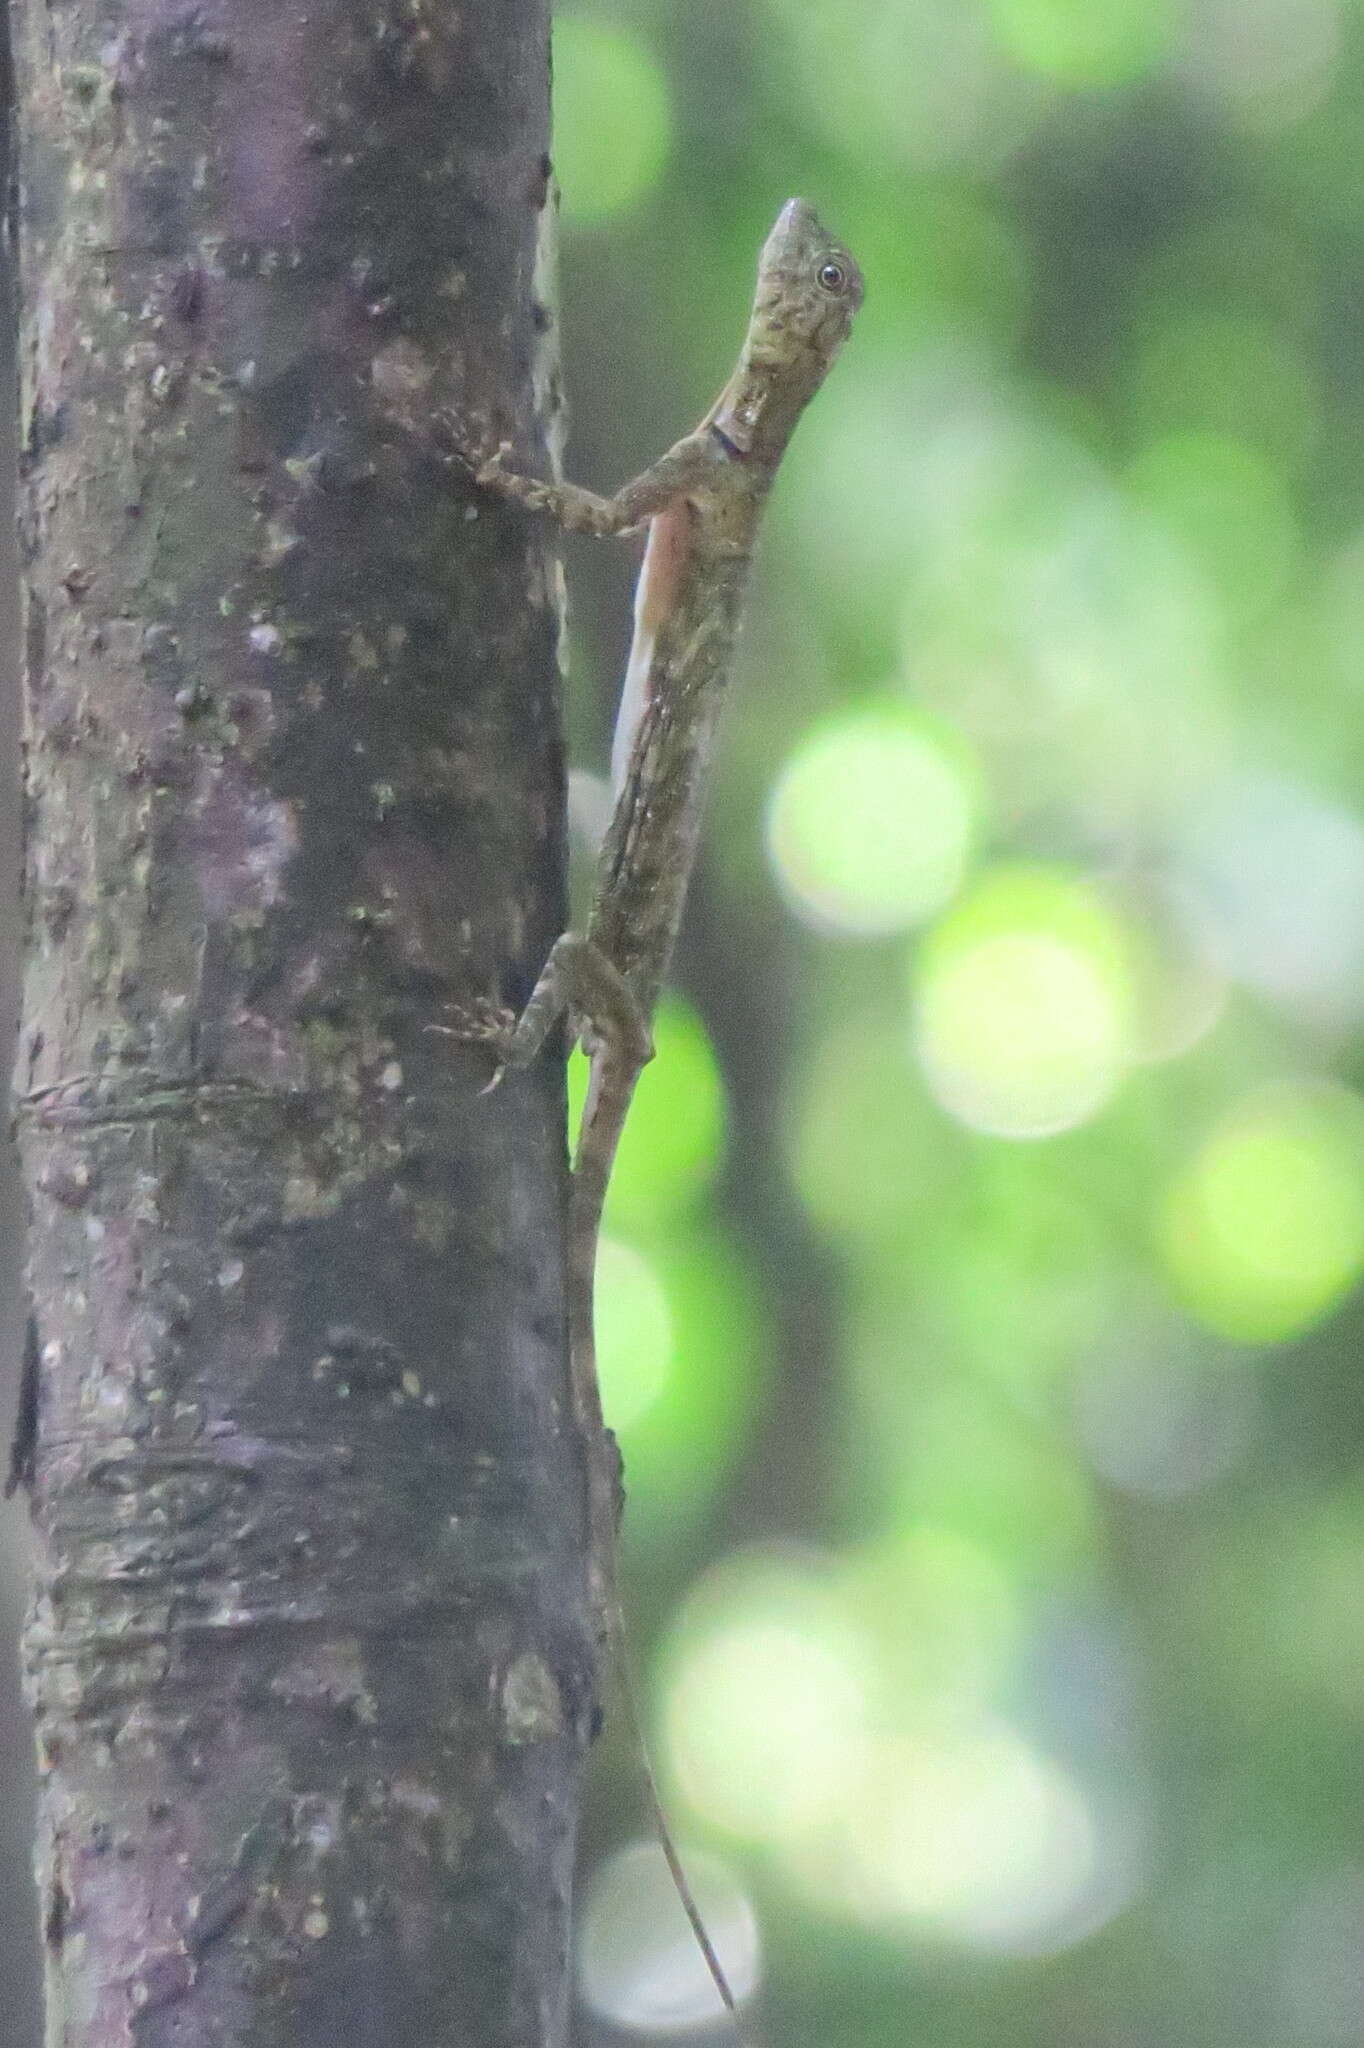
(702, 501)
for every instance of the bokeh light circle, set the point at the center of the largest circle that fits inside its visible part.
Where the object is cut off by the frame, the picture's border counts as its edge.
(870, 822)
(1085, 43)
(674, 1142)
(925, 86)
(766, 1698)
(1023, 1005)
(638, 1962)
(1278, 869)
(1262, 1232)
(635, 1337)
(975, 1834)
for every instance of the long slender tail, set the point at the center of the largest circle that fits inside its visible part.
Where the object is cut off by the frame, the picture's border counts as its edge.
(654, 1800)
(604, 1115)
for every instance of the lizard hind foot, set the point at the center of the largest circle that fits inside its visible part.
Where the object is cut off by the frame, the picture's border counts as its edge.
(479, 1023)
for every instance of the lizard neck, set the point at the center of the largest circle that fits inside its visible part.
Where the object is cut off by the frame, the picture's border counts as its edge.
(756, 413)
(758, 408)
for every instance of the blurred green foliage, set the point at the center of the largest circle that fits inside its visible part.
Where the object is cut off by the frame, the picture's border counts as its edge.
(980, 1305)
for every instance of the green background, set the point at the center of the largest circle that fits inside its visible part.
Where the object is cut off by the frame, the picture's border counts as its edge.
(980, 1303)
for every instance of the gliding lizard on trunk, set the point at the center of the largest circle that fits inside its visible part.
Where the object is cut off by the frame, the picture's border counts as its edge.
(702, 502)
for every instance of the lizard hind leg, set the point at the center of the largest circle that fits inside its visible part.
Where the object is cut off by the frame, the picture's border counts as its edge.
(578, 980)
(605, 1010)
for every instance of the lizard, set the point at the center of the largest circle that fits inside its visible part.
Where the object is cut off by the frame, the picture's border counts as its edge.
(701, 502)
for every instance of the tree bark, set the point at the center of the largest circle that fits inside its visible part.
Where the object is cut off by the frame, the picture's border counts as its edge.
(309, 1652)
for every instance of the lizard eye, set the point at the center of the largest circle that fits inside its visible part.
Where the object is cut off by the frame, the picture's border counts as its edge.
(832, 277)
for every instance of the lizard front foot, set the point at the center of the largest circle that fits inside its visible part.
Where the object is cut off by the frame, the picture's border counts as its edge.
(491, 470)
(461, 443)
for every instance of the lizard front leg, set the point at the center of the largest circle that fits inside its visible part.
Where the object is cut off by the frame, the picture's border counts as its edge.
(685, 465)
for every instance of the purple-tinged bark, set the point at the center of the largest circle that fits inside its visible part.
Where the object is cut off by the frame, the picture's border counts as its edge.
(308, 1650)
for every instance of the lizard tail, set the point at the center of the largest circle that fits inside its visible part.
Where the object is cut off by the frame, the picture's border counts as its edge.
(654, 1799)
(603, 1120)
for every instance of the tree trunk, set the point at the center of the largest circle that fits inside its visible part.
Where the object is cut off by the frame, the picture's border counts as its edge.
(309, 1652)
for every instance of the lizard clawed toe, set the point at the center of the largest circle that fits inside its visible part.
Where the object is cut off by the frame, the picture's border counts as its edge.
(480, 1023)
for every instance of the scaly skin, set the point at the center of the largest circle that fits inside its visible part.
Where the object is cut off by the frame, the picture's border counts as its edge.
(702, 501)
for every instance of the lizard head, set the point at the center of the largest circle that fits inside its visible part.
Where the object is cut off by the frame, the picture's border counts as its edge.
(809, 288)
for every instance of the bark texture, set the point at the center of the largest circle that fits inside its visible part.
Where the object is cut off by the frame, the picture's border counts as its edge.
(308, 1652)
